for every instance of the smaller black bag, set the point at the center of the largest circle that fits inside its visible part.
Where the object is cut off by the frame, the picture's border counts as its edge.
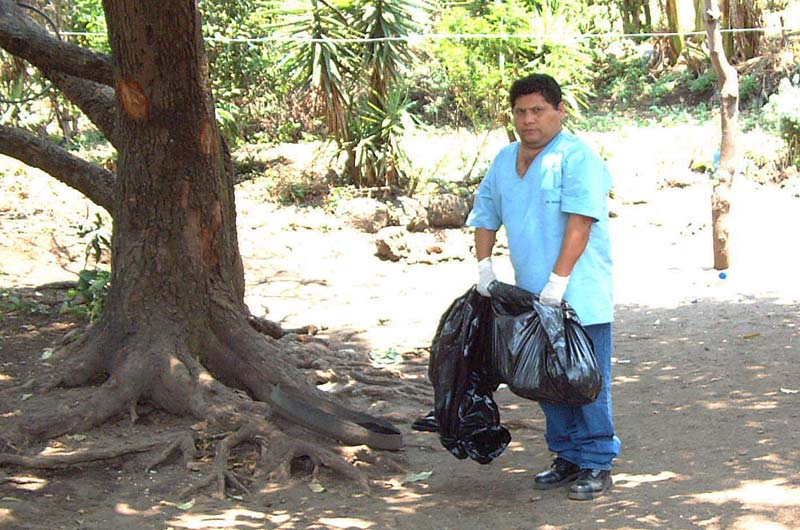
(541, 352)
(460, 369)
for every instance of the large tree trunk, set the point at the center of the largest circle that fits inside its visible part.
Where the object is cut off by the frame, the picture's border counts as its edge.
(174, 324)
(177, 284)
(726, 169)
(176, 178)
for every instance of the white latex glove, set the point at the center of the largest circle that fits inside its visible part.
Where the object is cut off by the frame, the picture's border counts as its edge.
(553, 292)
(485, 276)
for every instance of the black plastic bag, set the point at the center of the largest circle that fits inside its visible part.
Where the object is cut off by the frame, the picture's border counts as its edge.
(460, 369)
(541, 352)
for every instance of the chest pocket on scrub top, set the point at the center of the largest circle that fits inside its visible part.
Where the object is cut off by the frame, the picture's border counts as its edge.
(551, 181)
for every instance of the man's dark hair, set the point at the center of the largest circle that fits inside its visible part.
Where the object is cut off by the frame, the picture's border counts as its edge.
(536, 84)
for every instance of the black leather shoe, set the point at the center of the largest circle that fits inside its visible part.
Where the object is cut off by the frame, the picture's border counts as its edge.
(561, 472)
(590, 484)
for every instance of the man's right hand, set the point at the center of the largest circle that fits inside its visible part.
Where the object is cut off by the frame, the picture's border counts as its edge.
(485, 276)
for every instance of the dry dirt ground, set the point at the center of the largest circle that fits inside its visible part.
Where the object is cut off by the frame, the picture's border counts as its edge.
(706, 381)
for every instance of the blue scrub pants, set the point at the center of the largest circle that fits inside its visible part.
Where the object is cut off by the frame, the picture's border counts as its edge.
(585, 435)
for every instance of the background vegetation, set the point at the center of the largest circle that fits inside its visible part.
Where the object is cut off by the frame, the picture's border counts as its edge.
(362, 74)
(366, 81)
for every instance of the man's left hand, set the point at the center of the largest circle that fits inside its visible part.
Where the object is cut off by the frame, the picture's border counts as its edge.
(553, 292)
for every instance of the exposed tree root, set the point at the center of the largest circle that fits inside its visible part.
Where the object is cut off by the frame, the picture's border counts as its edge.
(157, 366)
(381, 380)
(277, 454)
(220, 476)
(364, 454)
(81, 361)
(111, 398)
(6, 446)
(275, 330)
(79, 457)
(283, 451)
(184, 445)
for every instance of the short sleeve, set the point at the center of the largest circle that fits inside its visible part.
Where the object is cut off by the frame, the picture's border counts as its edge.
(486, 208)
(586, 182)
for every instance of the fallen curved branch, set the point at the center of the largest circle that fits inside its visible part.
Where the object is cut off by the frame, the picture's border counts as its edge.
(343, 424)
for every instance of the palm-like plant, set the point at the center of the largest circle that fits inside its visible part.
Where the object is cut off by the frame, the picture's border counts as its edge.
(322, 62)
(354, 63)
(386, 23)
(375, 153)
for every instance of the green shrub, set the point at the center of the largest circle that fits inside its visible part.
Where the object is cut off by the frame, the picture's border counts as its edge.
(84, 16)
(11, 301)
(87, 298)
(705, 82)
(622, 75)
(230, 120)
(306, 189)
(248, 84)
(749, 87)
(664, 87)
(782, 113)
(478, 72)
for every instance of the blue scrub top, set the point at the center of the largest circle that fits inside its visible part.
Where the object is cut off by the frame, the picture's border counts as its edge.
(566, 177)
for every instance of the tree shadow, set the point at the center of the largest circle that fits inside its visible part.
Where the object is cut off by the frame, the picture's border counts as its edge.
(705, 404)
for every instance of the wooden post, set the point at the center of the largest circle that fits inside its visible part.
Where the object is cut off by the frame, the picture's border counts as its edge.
(726, 169)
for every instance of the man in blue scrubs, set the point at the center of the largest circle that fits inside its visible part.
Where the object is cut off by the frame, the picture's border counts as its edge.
(550, 191)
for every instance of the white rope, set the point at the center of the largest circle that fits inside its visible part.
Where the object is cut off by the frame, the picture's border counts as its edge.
(459, 36)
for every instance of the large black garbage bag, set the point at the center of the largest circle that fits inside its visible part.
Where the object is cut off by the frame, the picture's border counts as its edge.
(460, 369)
(541, 352)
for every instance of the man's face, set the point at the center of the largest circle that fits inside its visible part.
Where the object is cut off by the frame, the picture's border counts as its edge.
(537, 121)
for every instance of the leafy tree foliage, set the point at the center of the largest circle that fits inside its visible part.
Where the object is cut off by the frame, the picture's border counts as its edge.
(247, 82)
(479, 70)
(82, 16)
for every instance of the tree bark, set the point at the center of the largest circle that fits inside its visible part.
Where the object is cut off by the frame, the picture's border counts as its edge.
(631, 12)
(97, 101)
(726, 169)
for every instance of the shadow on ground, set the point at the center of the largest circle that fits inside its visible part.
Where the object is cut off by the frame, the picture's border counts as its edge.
(706, 399)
